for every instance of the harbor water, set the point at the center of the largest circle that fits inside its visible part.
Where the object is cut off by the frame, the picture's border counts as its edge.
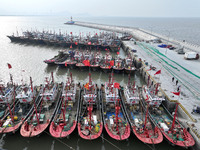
(27, 60)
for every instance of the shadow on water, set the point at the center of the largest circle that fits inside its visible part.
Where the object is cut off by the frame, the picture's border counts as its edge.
(50, 68)
(105, 142)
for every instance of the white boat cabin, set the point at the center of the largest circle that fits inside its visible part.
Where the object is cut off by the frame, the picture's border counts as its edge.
(69, 92)
(25, 94)
(90, 95)
(49, 92)
(78, 55)
(131, 95)
(112, 93)
(152, 97)
(128, 61)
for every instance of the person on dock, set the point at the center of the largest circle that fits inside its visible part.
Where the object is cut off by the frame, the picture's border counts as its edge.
(176, 82)
(172, 79)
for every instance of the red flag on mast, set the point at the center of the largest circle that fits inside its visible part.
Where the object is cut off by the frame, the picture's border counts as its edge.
(158, 72)
(176, 93)
(116, 85)
(86, 62)
(9, 66)
(112, 63)
(87, 86)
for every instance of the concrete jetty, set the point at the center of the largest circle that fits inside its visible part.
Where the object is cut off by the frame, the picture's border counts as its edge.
(186, 73)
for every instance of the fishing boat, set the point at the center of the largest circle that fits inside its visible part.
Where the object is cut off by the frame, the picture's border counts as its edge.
(61, 62)
(6, 96)
(44, 110)
(84, 62)
(118, 64)
(65, 119)
(169, 125)
(115, 121)
(55, 58)
(71, 62)
(115, 45)
(95, 62)
(90, 123)
(138, 117)
(107, 63)
(22, 107)
(129, 65)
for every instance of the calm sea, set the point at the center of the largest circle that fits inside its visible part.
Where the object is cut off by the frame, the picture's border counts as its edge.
(30, 58)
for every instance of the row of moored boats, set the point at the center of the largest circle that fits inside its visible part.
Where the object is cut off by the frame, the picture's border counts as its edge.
(63, 107)
(104, 40)
(94, 60)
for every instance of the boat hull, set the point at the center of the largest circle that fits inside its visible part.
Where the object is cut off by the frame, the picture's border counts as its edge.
(106, 69)
(118, 70)
(95, 67)
(90, 137)
(57, 131)
(31, 131)
(144, 137)
(118, 137)
(130, 71)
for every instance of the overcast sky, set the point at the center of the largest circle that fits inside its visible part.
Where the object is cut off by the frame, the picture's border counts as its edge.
(129, 8)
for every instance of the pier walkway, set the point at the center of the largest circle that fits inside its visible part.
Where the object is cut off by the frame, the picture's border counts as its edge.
(141, 34)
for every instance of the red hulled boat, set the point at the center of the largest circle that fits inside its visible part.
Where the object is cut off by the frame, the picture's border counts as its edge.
(43, 112)
(21, 109)
(95, 62)
(90, 124)
(141, 124)
(129, 65)
(169, 125)
(118, 64)
(107, 63)
(115, 121)
(65, 119)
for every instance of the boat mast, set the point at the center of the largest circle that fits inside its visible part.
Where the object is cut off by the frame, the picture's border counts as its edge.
(145, 122)
(90, 108)
(34, 101)
(117, 108)
(173, 123)
(156, 91)
(12, 115)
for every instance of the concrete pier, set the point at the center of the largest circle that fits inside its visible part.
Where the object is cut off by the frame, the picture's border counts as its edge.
(186, 73)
